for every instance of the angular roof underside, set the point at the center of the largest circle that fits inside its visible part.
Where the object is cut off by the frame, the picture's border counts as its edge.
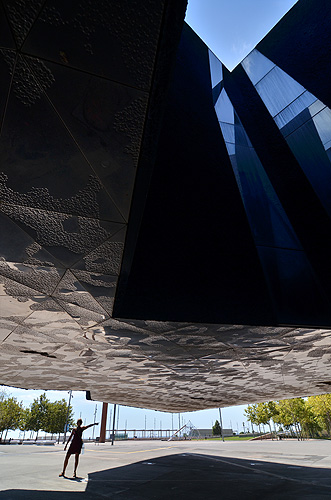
(164, 233)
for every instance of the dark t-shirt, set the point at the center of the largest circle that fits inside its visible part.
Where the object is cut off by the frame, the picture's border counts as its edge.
(77, 440)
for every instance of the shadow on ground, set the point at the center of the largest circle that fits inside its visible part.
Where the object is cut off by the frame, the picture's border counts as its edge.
(196, 477)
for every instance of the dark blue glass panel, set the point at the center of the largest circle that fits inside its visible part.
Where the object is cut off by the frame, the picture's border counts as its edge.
(269, 223)
(228, 132)
(257, 66)
(216, 92)
(231, 148)
(322, 122)
(316, 107)
(224, 108)
(308, 149)
(296, 295)
(293, 109)
(277, 90)
(216, 71)
(297, 122)
(240, 134)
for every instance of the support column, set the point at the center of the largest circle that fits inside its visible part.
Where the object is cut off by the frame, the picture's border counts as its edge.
(103, 423)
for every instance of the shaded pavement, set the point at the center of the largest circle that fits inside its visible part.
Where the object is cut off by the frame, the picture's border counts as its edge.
(188, 472)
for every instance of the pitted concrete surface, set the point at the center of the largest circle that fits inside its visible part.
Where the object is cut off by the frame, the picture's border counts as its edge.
(163, 470)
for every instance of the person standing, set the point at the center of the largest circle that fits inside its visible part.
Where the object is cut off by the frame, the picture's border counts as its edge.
(75, 447)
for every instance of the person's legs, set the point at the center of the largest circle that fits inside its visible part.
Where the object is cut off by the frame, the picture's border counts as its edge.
(76, 463)
(66, 460)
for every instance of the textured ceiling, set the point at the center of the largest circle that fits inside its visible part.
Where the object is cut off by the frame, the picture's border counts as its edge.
(77, 80)
(166, 366)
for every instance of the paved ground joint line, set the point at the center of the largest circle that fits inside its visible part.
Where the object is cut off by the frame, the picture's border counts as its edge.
(259, 471)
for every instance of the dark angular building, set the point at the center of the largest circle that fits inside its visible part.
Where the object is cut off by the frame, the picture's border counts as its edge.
(165, 223)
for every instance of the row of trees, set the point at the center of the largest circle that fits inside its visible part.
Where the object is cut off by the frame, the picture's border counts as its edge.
(42, 415)
(309, 417)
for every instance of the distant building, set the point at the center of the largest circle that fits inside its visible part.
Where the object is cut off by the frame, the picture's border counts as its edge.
(208, 433)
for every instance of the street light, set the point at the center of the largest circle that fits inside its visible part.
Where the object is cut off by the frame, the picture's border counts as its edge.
(221, 424)
(95, 418)
(66, 424)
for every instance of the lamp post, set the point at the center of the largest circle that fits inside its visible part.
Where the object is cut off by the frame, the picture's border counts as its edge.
(221, 424)
(67, 418)
(95, 417)
(109, 424)
(113, 435)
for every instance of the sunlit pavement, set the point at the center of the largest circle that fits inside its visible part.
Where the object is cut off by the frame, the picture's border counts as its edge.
(170, 470)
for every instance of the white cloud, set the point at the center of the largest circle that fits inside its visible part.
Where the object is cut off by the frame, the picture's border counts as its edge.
(242, 48)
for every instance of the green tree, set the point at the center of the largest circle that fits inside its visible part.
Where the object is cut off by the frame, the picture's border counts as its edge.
(265, 412)
(301, 417)
(40, 414)
(321, 409)
(251, 414)
(284, 417)
(293, 413)
(25, 421)
(262, 413)
(10, 414)
(46, 415)
(2, 418)
(3, 394)
(310, 423)
(58, 415)
(216, 428)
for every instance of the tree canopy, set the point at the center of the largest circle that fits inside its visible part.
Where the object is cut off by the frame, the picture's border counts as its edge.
(10, 414)
(42, 415)
(310, 417)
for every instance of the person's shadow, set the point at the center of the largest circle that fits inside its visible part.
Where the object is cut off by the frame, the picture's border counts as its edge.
(77, 478)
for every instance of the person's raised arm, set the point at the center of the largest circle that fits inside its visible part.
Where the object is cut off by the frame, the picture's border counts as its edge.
(90, 425)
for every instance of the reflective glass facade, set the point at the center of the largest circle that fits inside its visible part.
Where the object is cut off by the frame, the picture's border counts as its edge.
(302, 119)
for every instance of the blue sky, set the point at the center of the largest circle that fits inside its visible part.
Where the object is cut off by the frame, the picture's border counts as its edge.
(132, 418)
(232, 28)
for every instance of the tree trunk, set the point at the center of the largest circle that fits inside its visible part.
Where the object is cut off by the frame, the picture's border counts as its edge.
(297, 431)
(300, 431)
(328, 422)
(270, 430)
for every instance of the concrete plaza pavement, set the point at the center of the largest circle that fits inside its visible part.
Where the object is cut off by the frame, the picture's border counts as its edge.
(135, 470)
